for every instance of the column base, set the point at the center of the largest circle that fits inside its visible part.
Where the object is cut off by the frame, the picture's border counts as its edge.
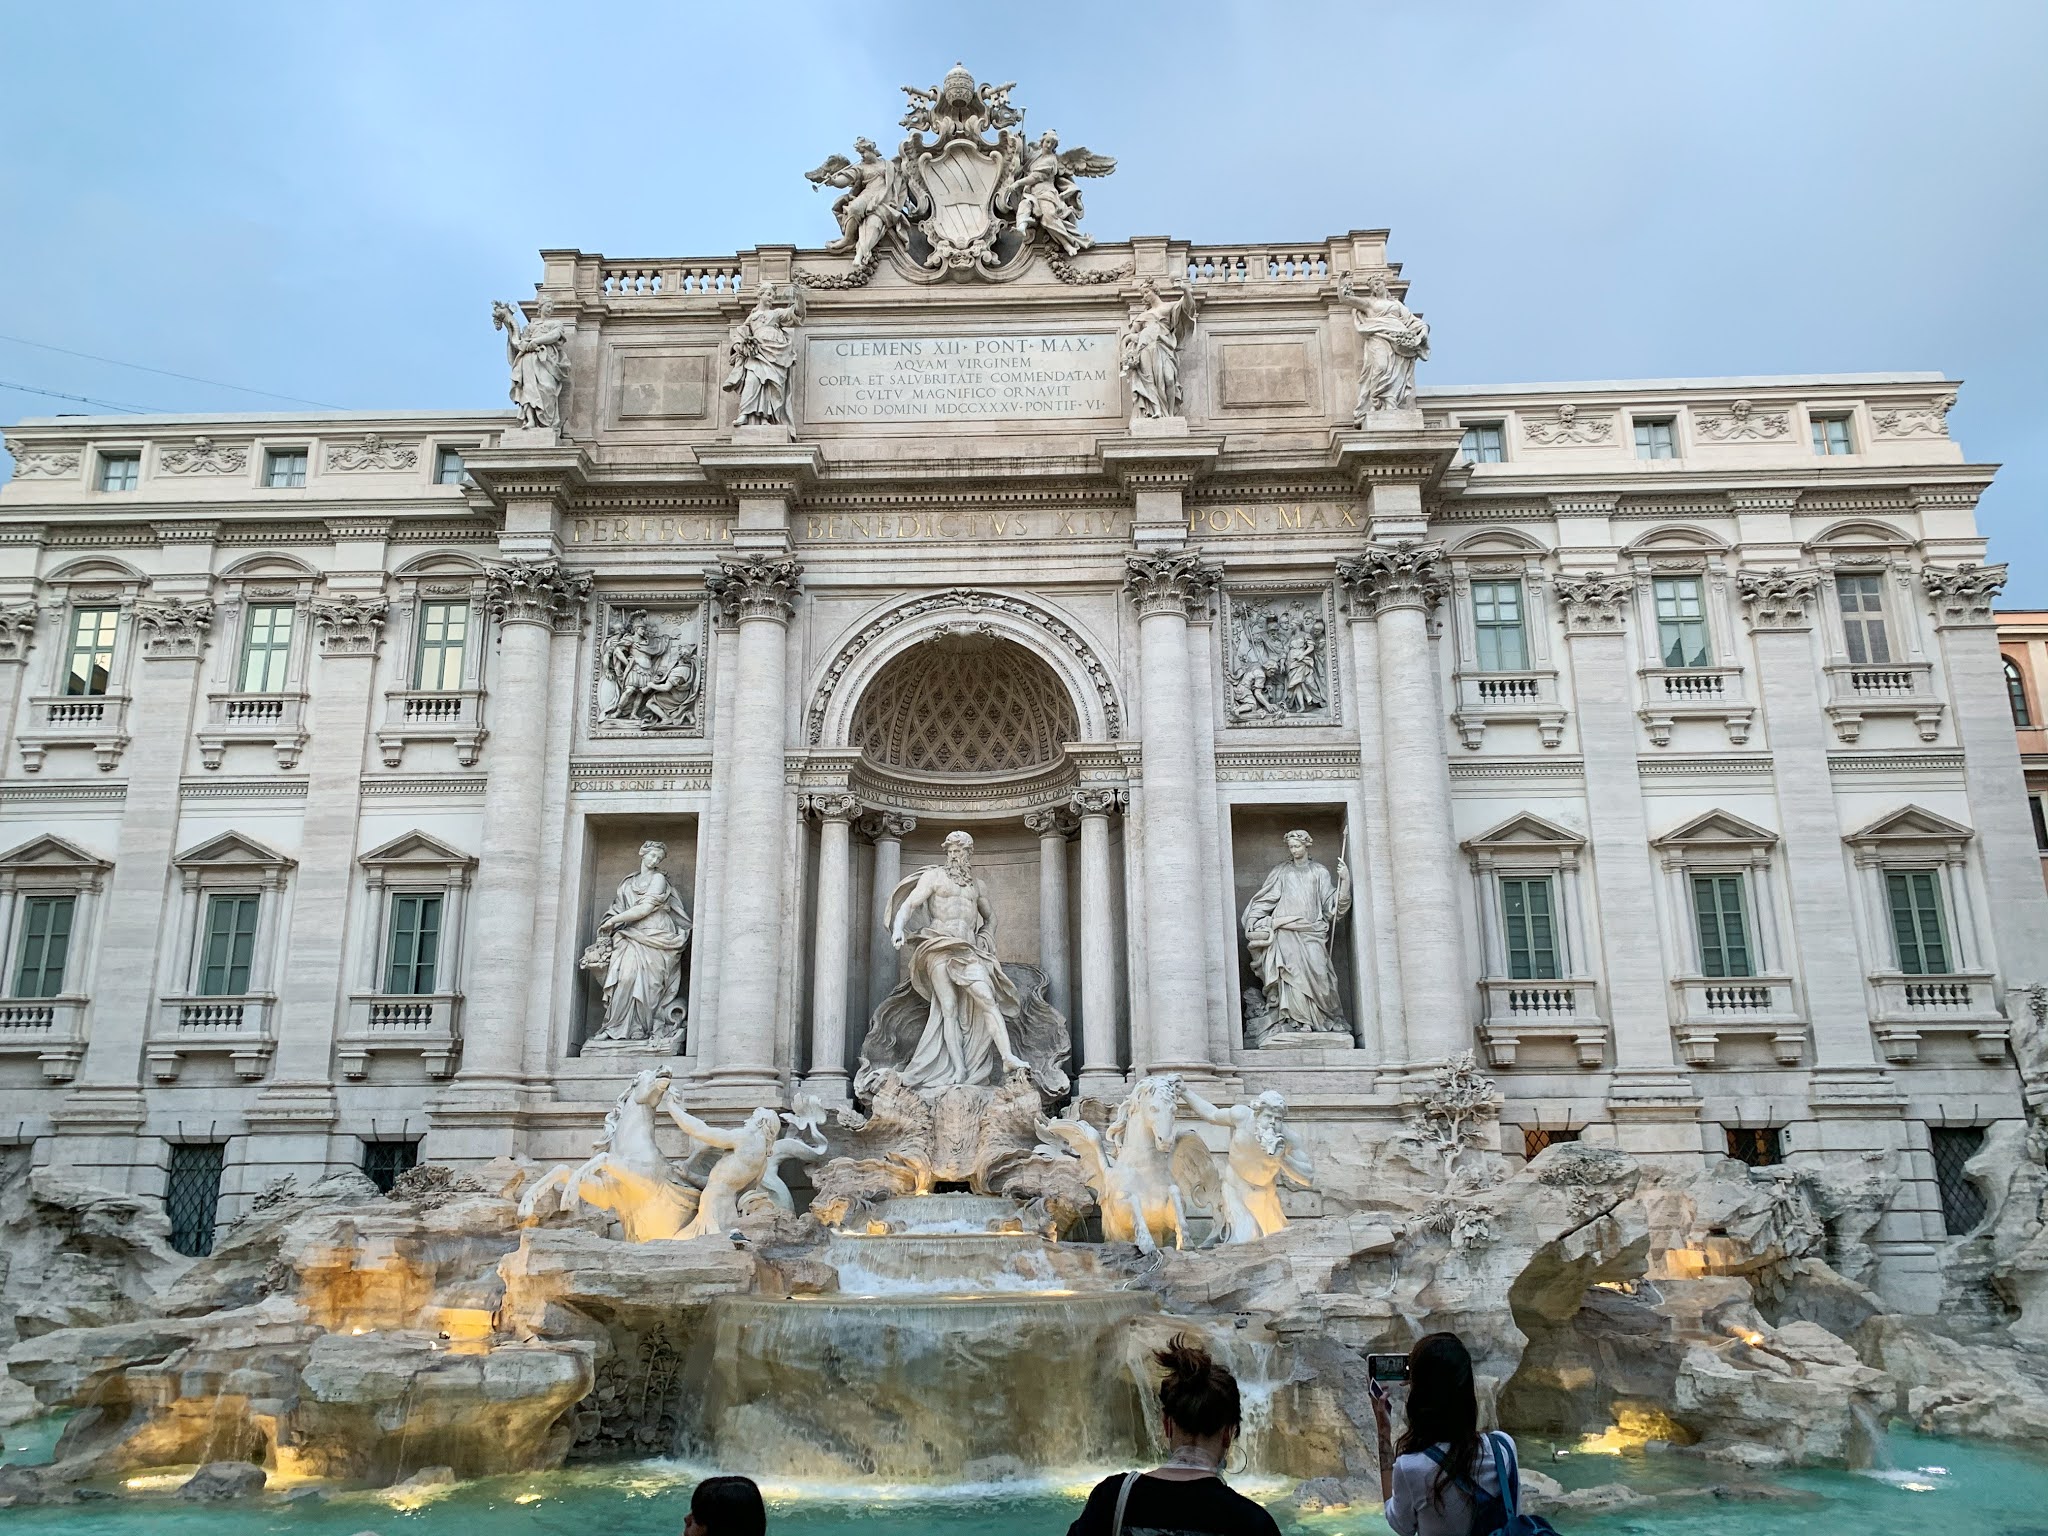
(832, 1089)
(479, 1118)
(741, 1088)
(1109, 1083)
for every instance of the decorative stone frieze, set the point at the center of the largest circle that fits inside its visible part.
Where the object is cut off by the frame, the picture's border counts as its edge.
(536, 592)
(349, 625)
(17, 631)
(1567, 427)
(173, 629)
(755, 587)
(1742, 423)
(203, 457)
(1594, 603)
(372, 453)
(1168, 583)
(1924, 421)
(1963, 594)
(42, 463)
(1779, 598)
(1395, 576)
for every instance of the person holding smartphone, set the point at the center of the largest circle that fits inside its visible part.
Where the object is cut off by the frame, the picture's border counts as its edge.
(1443, 1478)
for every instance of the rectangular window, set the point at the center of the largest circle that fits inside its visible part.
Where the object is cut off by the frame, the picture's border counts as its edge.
(1760, 1146)
(1717, 905)
(384, 1161)
(1830, 435)
(1529, 922)
(1681, 621)
(120, 471)
(415, 944)
(1483, 443)
(1497, 622)
(1962, 1203)
(2040, 822)
(1656, 439)
(1915, 898)
(45, 945)
(284, 469)
(1536, 1138)
(230, 945)
(192, 1195)
(444, 631)
(91, 652)
(448, 467)
(1862, 603)
(266, 647)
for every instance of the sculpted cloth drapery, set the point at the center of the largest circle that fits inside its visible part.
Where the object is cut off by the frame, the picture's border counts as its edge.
(763, 352)
(1149, 351)
(1287, 929)
(1393, 339)
(640, 950)
(539, 355)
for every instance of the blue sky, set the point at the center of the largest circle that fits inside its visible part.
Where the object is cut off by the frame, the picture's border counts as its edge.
(323, 200)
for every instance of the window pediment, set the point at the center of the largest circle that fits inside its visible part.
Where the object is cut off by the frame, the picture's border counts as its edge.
(415, 854)
(1716, 833)
(1525, 831)
(231, 852)
(51, 855)
(1908, 830)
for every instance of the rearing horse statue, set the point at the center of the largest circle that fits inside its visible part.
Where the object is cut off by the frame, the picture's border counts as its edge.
(628, 1175)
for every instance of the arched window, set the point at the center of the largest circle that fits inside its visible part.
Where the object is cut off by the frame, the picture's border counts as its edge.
(2016, 692)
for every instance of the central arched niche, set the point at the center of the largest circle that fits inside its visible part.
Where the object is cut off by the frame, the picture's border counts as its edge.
(964, 706)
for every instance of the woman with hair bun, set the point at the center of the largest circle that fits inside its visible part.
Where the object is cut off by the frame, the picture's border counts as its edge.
(1199, 1403)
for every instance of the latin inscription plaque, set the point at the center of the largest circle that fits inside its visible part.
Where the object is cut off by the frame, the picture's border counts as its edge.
(988, 377)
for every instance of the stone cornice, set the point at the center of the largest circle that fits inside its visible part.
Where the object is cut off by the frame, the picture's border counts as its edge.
(778, 470)
(553, 473)
(1422, 456)
(1158, 463)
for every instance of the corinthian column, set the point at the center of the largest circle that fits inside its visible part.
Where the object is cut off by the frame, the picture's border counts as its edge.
(1400, 584)
(1100, 1073)
(886, 829)
(531, 601)
(1052, 827)
(1164, 587)
(758, 592)
(829, 950)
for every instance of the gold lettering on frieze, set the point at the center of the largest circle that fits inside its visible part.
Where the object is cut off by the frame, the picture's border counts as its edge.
(690, 528)
(962, 527)
(1275, 517)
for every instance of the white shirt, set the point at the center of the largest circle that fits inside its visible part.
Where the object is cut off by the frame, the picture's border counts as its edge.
(1412, 1511)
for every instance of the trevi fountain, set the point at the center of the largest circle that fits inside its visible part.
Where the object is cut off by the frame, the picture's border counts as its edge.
(955, 803)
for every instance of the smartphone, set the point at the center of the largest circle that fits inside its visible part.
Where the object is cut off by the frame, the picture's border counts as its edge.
(1387, 1369)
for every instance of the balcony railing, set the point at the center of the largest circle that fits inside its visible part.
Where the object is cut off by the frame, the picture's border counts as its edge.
(1713, 1010)
(427, 1025)
(1909, 1008)
(276, 720)
(1520, 1012)
(190, 1025)
(50, 1028)
(1671, 694)
(1259, 265)
(1490, 698)
(99, 722)
(1897, 688)
(415, 714)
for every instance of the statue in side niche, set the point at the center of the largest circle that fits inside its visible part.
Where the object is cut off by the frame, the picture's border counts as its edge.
(1261, 1153)
(1393, 338)
(1287, 927)
(639, 952)
(539, 355)
(1148, 350)
(763, 347)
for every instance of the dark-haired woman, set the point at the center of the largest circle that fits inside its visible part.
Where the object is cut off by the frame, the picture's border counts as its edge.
(726, 1506)
(1199, 1402)
(1447, 1479)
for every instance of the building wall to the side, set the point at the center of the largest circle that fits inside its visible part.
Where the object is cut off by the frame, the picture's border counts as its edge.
(1786, 761)
(2023, 648)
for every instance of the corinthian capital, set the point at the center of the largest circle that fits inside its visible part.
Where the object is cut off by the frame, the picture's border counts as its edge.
(536, 592)
(1395, 576)
(173, 629)
(1963, 594)
(17, 631)
(350, 625)
(755, 587)
(1779, 598)
(1593, 603)
(1167, 583)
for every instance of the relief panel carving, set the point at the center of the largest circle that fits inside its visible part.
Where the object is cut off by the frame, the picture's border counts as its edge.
(1278, 665)
(648, 673)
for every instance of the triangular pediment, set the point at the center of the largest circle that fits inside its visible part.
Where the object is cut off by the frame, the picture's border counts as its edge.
(233, 850)
(1526, 829)
(417, 848)
(1912, 824)
(54, 853)
(1716, 829)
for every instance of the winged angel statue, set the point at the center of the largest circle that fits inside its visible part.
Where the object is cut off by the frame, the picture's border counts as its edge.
(954, 199)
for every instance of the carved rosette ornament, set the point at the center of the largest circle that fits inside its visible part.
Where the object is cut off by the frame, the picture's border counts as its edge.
(349, 625)
(173, 630)
(17, 631)
(1594, 603)
(536, 592)
(1168, 583)
(1391, 576)
(1963, 594)
(1779, 598)
(755, 587)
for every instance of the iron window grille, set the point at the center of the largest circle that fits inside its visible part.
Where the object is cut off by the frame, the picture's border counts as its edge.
(384, 1161)
(1760, 1146)
(1535, 1138)
(192, 1195)
(1962, 1203)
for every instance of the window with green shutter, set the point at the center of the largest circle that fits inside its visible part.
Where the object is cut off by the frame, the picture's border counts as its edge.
(444, 631)
(45, 945)
(1718, 904)
(1681, 621)
(415, 944)
(89, 662)
(229, 947)
(266, 647)
(1497, 625)
(1529, 920)
(1915, 896)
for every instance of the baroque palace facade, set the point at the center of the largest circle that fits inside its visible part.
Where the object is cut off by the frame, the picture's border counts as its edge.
(1659, 728)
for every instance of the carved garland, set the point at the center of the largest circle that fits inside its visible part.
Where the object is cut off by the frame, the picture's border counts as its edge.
(972, 601)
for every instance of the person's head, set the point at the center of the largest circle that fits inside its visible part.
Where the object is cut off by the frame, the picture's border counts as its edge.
(959, 850)
(1197, 1397)
(1443, 1408)
(1268, 1110)
(1298, 845)
(652, 853)
(726, 1506)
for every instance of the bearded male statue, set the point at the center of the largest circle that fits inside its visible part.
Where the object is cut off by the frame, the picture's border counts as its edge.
(958, 1016)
